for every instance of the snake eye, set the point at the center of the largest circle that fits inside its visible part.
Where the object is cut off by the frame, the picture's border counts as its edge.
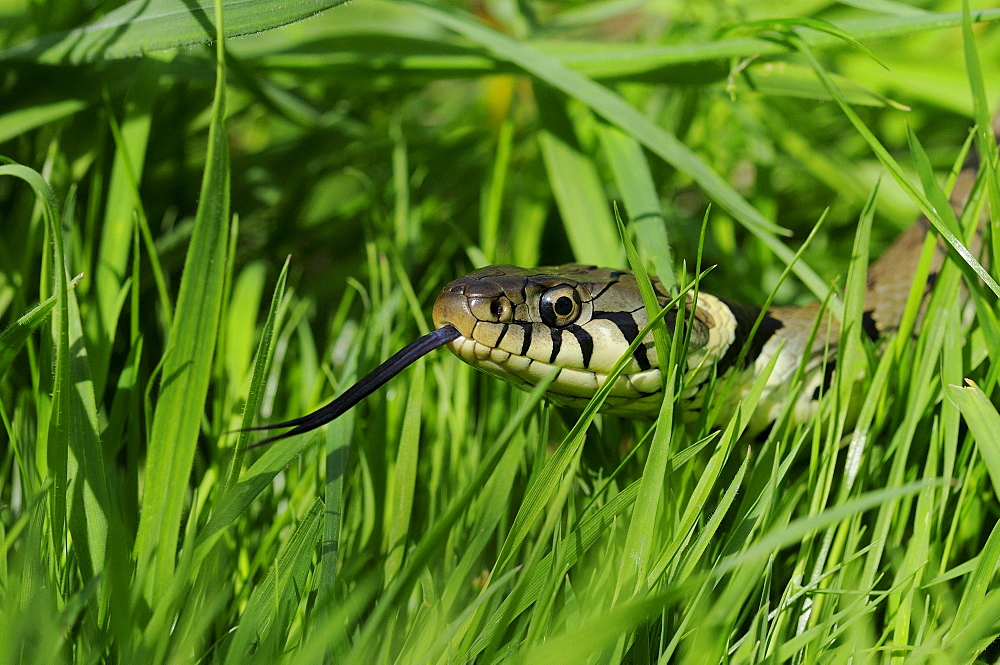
(501, 310)
(495, 309)
(559, 306)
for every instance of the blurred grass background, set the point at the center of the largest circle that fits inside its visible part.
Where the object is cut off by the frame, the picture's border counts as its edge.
(248, 251)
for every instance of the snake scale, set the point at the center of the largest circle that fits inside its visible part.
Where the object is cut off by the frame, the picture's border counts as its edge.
(523, 324)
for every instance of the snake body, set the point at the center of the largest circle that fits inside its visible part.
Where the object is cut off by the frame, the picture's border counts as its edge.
(523, 324)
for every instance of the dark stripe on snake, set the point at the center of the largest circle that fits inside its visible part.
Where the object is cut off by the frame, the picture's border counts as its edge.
(556, 344)
(829, 371)
(526, 344)
(658, 290)
(585, 341)
(746, 316)
(869, 326)
(624, 321)
(642, 358)
(629, 330)
(503, 332)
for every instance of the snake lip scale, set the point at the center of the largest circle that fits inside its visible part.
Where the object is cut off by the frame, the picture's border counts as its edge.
(518, 324)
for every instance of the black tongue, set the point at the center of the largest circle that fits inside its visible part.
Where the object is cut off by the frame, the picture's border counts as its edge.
(363, 388)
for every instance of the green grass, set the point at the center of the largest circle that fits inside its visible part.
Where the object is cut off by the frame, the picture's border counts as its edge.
(236, 254)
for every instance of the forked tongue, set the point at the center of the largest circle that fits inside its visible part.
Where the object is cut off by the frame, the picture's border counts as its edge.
(363, 388)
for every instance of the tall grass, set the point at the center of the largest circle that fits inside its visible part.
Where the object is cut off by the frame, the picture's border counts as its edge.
(200, 239)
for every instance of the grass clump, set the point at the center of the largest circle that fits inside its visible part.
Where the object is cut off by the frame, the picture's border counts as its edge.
(196, 238)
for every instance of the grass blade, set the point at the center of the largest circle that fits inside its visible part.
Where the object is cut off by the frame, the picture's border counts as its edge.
(140, 26)
(405, 474)
(642, 203)
(272, 602)
(14, 337)
(576, 185)
(984, 423)
(73, 442)
(187, 367)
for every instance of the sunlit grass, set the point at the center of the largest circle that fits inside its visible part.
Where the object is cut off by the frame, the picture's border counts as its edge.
(245, 260)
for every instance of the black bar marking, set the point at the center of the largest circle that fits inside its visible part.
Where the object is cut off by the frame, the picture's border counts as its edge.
(625, 322)
(585, 341)
(526, 344)
(829, 371)
(642, 358)
(629, 330)
(746, 316)
(869, 326)
(496, 344)
(556, 344)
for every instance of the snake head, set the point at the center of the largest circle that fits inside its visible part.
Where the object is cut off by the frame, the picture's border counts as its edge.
(519, 324)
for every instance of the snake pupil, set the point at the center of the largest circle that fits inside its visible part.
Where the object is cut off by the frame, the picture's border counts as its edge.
(563, 306)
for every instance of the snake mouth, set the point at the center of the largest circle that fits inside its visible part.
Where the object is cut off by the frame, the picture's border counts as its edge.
(363, 388)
